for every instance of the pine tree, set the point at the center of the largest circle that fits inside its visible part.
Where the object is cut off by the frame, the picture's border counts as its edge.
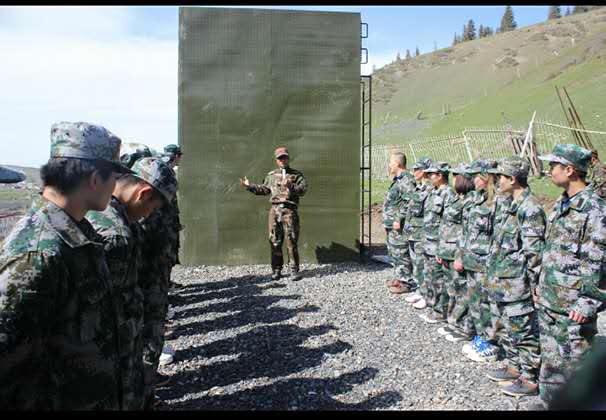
(508, 22)
(488, 31)
(567, 10)
(464, 34)
(481, 32)
(408, 57)
(417, 52)
(471, 30)
(398, 58)
(455, 40)
(554, 12)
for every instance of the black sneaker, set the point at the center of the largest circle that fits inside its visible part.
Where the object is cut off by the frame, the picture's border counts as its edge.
(503, 374)
(521, 388)
(277, 274)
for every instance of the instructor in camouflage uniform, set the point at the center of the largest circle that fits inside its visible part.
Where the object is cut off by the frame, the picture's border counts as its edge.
(513, 276)
(59, 347)
(597, 174)
(395, 206)
(572, 282)
(284, 186)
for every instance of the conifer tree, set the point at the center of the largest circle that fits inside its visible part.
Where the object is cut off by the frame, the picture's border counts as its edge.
(398, 58)
(567, 10)
(508, 22)
(464, 34)
(481, 32)
(554, 13)
(417, 52)
(408, 56)
(471, 30)
(455, 40)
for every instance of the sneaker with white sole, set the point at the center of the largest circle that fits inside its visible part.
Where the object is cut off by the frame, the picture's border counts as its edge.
(455, 337)
(434, 318)
(420, 304)
(484, 352)
(445, 330)
(167, 356)
(467, 347)
(415, 297)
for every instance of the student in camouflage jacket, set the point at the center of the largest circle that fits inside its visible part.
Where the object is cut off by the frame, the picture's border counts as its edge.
(441, 196)
(284, 186)
(597, 175)
(59, 347)
(451, 230)
(395, 206)
(413, 226)
(135, 196)
(513, 272)
(572, 283)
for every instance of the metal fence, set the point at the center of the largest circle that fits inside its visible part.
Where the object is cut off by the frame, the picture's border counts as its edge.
(492, 143)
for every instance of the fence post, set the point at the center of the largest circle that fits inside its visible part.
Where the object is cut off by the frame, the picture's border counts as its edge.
(412, 150)
(528, 135)
(467, 147)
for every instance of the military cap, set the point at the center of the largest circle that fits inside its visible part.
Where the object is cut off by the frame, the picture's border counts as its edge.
(158, 174)
(172, 149)
(438, 167)
(569, 154)
(422, 163)
(280, 151)
(81, 140)
(130, 152)
(481, 166)
(513, 166)
(462, 169)
(10, 176)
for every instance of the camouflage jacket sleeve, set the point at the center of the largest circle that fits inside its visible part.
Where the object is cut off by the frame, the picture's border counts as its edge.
(467, 204)
(299, 186)
(532, 234)
(406, 187)
(261, 189)
(593, 251)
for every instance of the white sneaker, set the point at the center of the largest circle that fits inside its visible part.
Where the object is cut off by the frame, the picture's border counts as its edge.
(167, 356)
(420, 304)
(415, 297)
(444, 330)
(483, 353)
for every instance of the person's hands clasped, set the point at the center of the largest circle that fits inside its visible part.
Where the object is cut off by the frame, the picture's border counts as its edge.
(244, 182)
(577, 317)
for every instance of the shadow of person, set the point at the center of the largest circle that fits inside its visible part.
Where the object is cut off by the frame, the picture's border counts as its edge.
(297, 393)
(336, 253)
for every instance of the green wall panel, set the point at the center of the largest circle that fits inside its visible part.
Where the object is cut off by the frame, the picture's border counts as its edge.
(251, 80)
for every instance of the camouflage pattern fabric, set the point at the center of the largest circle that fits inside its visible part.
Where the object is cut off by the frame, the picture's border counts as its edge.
(159, 175)
(570, 154)
(565, 344)
(480, 319)
(415, 249)
(284, 223)
(121, 240)
(59, 345)
(395, 208)
(413, 226)
(515, 260)
(597, 177)
(272, 186)
(458, 305)
(572, 279)
(520, 338)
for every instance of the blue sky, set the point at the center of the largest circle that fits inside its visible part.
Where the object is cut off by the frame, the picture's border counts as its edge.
(117, 66)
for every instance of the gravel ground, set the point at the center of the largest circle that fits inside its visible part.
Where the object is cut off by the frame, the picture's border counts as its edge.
(335, 340)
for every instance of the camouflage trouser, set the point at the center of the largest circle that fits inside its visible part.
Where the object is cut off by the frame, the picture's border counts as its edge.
(283, 222)
(479, 307)
(415, 249)
(564, 344)
(433, 275)
(456, 288)
(156, 307)
(397, 248)
(131, 345)
(520, 336)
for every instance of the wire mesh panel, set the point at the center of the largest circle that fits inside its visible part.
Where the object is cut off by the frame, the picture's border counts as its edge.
(251, 80)
(449, 149)
(491, 143)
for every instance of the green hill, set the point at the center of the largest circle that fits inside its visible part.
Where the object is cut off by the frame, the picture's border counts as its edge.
(495, 81)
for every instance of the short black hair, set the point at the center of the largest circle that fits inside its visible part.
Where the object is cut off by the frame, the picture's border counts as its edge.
(66, 174)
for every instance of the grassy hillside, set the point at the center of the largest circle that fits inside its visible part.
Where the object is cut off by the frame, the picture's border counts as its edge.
(495, 81)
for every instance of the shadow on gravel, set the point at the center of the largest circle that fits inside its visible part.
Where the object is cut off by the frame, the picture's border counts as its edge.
(296, 394)
(271, 352)
(335, 269)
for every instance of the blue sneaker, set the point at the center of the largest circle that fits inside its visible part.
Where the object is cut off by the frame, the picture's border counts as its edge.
(484, 352)
(471, 345)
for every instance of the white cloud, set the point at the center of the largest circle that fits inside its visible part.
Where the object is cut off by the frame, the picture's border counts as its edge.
(128, 85)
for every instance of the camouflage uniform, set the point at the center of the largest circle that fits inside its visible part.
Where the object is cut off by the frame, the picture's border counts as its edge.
(473, 252)
(572, 276)
(437, 202)
(121, 240)
(413, 225)
(451, 230)
(283, 218)
(394, 210)
(514, 266)
(59, 344)
(597, 178)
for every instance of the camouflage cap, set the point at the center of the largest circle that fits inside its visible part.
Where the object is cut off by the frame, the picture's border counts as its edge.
(438, 167)
(280, 151)
(570, 154)
(422, 163)
(81, 140)
(130, 152)
(173, 149)
(481, 166)
(513, 166)
(462, 169)
(158, 174)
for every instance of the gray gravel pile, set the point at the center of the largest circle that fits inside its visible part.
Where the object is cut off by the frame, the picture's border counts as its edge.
(334, 340)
